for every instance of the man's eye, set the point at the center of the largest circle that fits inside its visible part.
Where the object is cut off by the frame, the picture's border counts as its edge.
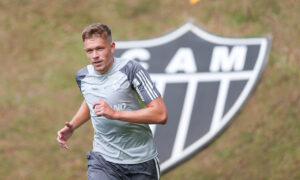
(89, 51)
(100, 49)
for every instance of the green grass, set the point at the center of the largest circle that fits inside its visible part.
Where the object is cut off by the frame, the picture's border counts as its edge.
(41, 51)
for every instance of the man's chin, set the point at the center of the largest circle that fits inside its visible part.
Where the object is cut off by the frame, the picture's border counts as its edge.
(100, 70)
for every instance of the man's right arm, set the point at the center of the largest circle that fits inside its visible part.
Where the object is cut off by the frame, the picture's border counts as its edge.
(82, 116)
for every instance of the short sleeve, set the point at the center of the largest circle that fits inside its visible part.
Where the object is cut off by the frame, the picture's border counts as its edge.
(141, 81)
(80, 75)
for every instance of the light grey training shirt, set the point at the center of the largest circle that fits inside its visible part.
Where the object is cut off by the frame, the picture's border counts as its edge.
(118, 141)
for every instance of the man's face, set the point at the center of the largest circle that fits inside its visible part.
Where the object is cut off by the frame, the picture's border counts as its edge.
(99, 53)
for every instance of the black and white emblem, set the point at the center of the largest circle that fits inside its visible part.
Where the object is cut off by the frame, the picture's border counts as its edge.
(204, 80)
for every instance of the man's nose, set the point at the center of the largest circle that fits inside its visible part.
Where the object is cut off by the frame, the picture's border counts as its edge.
(95, 54)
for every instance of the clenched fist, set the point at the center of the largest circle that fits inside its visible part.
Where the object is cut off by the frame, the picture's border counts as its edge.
(103, 109)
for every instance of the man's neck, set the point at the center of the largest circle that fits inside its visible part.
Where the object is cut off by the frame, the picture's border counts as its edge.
(108, 67)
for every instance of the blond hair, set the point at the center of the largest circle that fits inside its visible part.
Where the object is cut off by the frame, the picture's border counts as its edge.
(97, 29)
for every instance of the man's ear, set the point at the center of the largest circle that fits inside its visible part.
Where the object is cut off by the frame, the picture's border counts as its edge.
(113, 47)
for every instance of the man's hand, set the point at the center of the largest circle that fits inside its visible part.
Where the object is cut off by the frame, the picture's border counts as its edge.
(103, 109)
(64, 134)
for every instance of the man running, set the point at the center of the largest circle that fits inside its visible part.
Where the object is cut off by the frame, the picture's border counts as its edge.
(121, 100)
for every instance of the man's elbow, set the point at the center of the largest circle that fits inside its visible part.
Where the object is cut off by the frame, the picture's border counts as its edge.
(163, 118)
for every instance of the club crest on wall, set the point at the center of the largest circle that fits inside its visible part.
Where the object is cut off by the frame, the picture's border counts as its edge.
(204, 80)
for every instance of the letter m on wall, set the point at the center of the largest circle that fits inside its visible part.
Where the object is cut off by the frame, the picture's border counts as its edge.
(223, 60)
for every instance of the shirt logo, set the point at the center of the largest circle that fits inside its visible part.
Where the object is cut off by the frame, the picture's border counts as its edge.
(119, 82)
(116, 85)
(119, 107)
(204, 80)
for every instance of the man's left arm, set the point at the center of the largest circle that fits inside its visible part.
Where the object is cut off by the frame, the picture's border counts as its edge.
(154, 113)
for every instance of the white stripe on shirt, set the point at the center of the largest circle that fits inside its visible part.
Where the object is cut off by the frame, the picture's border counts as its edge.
(147, 88)
(149, 84)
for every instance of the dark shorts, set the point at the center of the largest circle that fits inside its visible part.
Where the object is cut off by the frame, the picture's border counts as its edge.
(100, 169)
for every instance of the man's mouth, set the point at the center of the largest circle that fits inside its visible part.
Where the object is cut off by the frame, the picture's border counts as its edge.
(97, 63)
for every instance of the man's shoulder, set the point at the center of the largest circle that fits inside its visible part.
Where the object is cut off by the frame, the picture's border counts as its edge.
(128, 64)
(121, 62)
(82, 72)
